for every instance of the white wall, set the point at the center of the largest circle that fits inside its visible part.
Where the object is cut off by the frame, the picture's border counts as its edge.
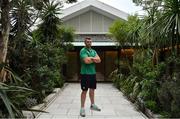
(90, 23)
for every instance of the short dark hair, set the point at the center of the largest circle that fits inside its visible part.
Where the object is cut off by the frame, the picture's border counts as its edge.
(88, 38)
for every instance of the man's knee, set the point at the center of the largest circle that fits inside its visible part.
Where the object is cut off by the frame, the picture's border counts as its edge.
(91, 90)
(84, 92)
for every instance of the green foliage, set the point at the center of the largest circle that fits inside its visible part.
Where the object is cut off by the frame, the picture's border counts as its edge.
(12, 95)
(151, 105)
(29, 102)
(136, 90)
(66, 34)
(169, 98)
(162, 22)
(126, 31)
(117, 78)
(156, 84)
(169, 93)
(149, 90)
(23, 17)
(42, 68)
(118, 31)
(142, 82)
(48, 29)
(38, 57)
(128, 84)
(134, 25)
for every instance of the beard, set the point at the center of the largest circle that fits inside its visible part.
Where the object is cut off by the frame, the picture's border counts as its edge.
(88, 45)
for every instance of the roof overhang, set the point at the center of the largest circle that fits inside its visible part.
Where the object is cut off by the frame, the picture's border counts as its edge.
(96, 43)
(105, 44)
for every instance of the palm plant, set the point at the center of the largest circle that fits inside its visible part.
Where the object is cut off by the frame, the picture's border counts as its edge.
(12, 106)
(164, 17)
(23, 16)
(151, 36)
(5, 8)
(12, 95)
(134, 30)
(49, 28)
(162, 25)
(118, 31)
(51, 37)
(66, 36)
(169, 22)
(127, 33)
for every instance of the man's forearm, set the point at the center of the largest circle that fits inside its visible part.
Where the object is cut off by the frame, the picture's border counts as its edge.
(88, 60)
(96, 59)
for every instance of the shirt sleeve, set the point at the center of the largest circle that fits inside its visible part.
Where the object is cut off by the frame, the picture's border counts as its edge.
(83, 55)
(95, 53)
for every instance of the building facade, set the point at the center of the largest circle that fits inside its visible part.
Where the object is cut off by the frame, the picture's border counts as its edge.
(92, 18)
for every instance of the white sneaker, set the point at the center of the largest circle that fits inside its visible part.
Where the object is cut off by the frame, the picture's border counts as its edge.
(82, 112)
(95, 107)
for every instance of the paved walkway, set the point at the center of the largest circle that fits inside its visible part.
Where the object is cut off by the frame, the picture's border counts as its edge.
(112, 102)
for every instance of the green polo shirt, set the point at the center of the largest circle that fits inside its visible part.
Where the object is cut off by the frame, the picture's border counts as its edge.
(87, 68)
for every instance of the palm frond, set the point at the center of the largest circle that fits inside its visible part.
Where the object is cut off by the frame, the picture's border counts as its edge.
(7, 103)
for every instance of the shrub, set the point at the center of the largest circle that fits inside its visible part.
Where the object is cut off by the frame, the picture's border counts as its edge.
(152, 105)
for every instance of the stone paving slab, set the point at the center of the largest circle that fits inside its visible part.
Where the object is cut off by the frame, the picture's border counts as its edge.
(111, 101)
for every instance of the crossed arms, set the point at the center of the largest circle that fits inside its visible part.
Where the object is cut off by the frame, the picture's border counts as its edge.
(89, 60)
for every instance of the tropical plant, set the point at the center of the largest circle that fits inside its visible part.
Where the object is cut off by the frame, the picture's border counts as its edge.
(164, 25)
(67, 36)
(134, 26)
(32, 60)
(12, 95)
(169, 22)
(49, 17)
(151, 82)
(23, 17)
(169, 92)
(5, 8)
(119, 31)
(50, 39)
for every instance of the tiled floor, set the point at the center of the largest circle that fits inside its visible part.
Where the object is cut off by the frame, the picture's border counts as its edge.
(112, 102)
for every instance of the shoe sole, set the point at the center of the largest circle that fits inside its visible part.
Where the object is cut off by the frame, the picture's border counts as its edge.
(82, 115)
(95, 109)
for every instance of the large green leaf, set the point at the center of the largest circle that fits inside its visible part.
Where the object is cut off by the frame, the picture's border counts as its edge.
(7, 103)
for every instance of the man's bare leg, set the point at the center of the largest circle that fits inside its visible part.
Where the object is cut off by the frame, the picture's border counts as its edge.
(91, 95)
(83, 98)
(93, 106)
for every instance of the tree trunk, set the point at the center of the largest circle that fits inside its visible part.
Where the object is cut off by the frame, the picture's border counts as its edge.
(5, 21)
(155, 56)
(177, 42)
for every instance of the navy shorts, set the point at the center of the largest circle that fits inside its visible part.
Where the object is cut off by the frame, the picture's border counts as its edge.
(88, 81)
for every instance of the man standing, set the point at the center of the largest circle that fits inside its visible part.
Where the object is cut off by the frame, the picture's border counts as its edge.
(89, 58)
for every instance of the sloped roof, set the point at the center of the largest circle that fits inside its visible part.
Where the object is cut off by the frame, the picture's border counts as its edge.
(94, 5)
